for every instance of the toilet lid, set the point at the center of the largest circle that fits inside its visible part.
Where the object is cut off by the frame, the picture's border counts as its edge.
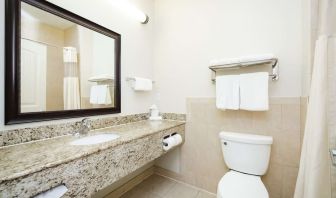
(239, 185)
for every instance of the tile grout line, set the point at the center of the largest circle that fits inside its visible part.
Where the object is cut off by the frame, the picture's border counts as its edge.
(194, 187)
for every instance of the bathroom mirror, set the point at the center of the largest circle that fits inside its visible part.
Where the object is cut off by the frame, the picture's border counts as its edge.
(58, 64)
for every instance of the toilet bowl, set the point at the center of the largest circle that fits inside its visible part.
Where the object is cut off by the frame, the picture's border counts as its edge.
(247, 157)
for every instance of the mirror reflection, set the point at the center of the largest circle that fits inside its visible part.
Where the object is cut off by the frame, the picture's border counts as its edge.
(64, 66)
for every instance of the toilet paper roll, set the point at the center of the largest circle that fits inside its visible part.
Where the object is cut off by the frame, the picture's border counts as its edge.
(177, 139)
(168, 143)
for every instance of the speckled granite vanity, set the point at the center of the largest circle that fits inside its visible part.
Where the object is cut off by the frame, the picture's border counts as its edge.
(33, 167)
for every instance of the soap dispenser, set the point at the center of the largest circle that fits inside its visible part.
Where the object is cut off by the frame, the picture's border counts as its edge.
(154, 113)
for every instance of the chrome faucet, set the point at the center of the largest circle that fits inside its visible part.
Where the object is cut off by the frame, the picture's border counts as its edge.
(85, 127)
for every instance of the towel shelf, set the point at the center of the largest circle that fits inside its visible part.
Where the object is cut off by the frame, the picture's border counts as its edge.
(133, 79)
(274, 62)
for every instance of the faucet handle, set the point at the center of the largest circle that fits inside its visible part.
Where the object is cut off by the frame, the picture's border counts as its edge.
(86, 122)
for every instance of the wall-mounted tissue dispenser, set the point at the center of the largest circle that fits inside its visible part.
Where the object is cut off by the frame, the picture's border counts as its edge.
(171, 141)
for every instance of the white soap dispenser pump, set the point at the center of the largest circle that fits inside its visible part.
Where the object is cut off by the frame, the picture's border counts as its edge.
(154, 113)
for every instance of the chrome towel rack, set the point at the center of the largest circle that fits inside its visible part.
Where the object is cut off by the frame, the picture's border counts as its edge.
(274, 62)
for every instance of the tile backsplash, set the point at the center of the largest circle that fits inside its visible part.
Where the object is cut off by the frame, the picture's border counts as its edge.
(202, 145)
(16, 136)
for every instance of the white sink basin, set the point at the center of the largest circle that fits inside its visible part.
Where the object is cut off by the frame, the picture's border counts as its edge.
(95, 139)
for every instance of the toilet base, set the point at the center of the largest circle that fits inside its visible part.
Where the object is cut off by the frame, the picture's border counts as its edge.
(239, 185)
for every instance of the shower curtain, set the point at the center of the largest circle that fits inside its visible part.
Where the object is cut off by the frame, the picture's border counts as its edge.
(314, 178)
(71, 95)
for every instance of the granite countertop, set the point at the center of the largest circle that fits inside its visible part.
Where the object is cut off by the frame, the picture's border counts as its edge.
(23, 159)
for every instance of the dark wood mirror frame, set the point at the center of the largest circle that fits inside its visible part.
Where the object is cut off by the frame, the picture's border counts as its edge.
(12, 64)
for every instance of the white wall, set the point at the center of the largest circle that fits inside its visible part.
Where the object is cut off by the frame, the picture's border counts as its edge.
(189, 33)
(185, 35)
(136, 49)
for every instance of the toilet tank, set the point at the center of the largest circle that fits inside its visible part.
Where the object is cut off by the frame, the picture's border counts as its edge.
(245, 152)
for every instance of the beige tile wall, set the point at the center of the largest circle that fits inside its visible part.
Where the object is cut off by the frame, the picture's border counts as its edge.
(202, 162)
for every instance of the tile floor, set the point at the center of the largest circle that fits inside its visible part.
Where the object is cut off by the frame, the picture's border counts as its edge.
(160, 187)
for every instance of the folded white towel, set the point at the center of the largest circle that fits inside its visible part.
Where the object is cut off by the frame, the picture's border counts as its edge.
(100, 94)
(94, 95)
(227, 92)
(142, 84)
(256, 58)
(243, 59)
(226, 61)
(254, 91)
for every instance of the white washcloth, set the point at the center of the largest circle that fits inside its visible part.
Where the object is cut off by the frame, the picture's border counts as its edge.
(142, 84)
(227, 92)
(100, 94)
(254, 91)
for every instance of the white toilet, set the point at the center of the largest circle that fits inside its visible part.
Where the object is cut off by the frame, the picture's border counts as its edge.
(247, 157)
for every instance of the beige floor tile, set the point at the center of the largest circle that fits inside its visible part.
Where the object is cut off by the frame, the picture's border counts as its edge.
(202, 194)
(182, 191)
(139, 193)
(157, 184)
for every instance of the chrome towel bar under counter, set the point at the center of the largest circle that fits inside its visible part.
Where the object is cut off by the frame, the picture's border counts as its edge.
(273, 62)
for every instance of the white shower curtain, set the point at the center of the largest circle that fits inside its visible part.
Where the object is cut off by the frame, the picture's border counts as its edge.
(71, 93)
(314, 179)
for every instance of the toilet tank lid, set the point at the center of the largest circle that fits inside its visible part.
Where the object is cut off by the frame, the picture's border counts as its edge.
(245, 138)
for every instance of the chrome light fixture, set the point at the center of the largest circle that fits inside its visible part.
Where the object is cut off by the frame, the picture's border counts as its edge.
(130, 10)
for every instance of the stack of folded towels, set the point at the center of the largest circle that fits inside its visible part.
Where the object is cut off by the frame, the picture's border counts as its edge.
(244, 91)
(241, 60)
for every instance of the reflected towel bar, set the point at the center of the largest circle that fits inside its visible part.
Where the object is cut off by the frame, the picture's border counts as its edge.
(274, 62)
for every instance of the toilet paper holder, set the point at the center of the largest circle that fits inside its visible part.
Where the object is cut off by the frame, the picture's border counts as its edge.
(171, 141)
(167, 136)
(164, 143)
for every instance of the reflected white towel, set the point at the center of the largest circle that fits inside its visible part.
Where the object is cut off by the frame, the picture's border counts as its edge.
(254, 91)
(142, 84)
(227, 92)
(100, 94)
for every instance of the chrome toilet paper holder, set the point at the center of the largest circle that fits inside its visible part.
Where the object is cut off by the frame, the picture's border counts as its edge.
(167, 136)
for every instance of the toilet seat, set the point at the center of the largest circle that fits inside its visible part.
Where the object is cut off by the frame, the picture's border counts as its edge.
(239, 185)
